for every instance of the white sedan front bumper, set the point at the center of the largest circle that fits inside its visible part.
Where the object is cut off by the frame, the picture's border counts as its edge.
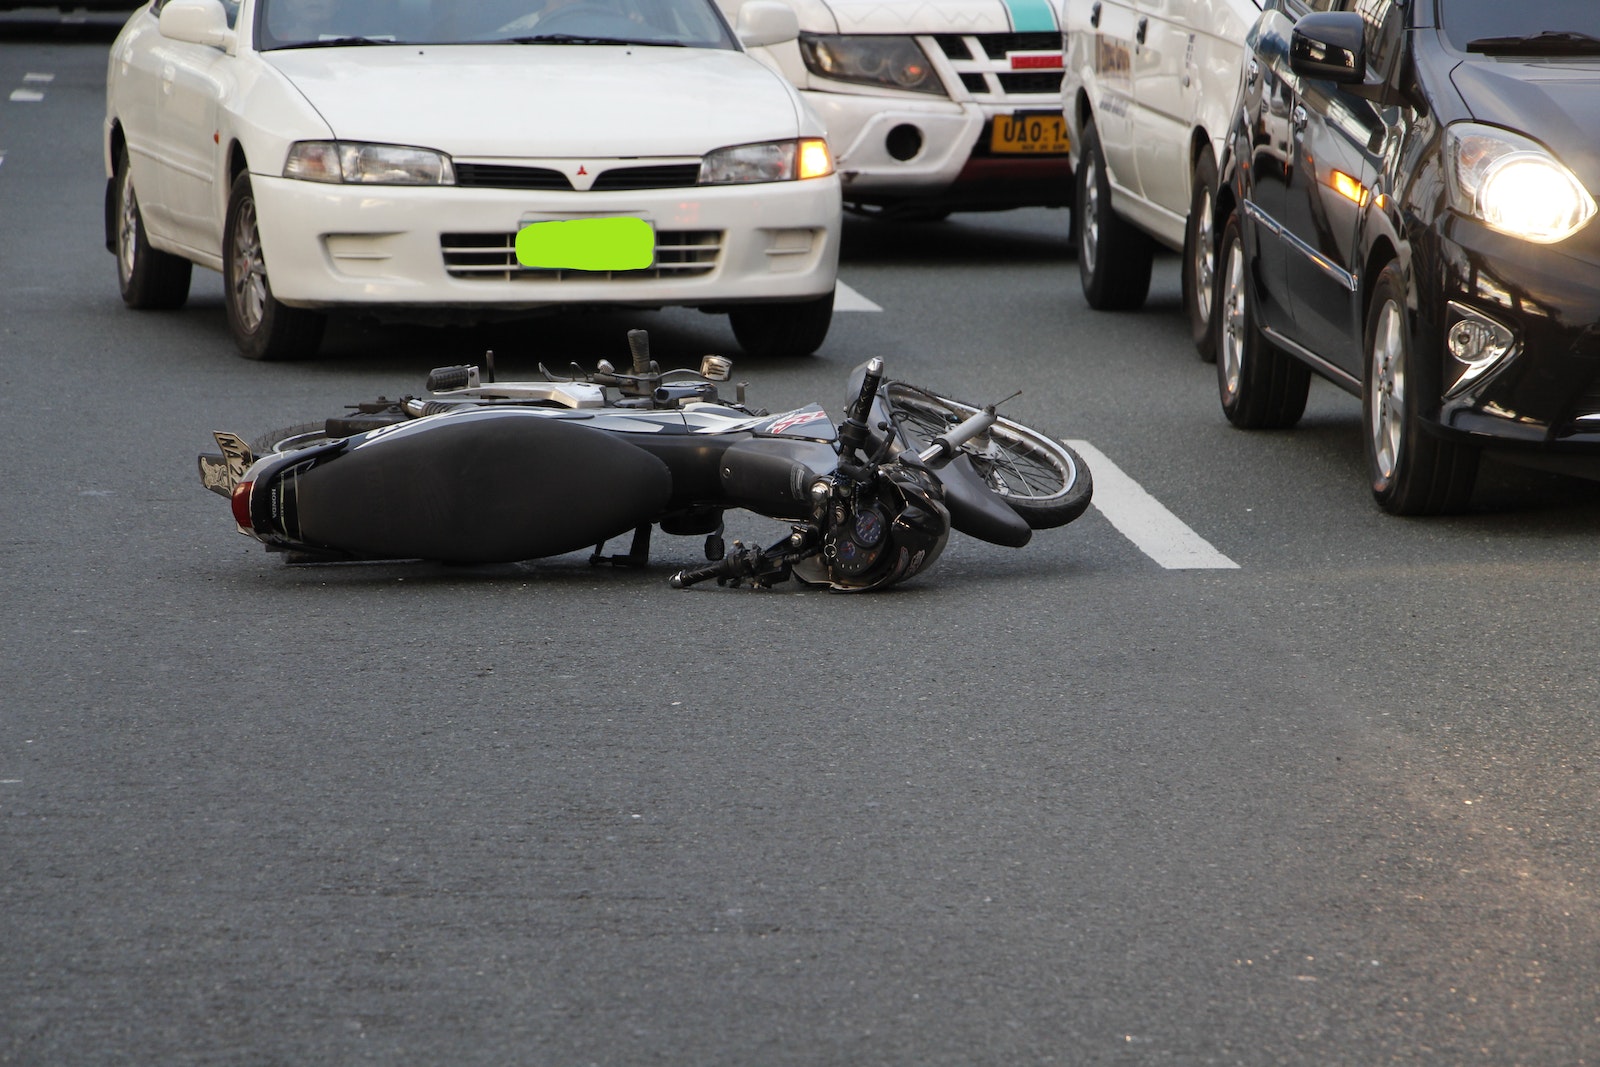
(450, 247)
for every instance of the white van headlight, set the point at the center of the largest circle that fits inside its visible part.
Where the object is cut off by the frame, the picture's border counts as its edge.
(1514, 184)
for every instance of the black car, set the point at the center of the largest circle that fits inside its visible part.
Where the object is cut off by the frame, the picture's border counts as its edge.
(1410, 191)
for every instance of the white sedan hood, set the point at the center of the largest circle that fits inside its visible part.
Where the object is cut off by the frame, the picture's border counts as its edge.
(520, 101)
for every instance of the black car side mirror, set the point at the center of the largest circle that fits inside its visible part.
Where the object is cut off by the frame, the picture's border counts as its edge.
(1330, 45)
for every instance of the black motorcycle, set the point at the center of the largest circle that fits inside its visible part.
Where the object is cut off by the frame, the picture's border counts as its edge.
(483, 472)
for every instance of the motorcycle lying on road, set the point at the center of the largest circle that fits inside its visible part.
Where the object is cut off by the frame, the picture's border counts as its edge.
(485, 472)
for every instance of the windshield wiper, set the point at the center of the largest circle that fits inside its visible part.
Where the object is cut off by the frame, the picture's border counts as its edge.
(1547, 42)
(339, 42)
(575, 38)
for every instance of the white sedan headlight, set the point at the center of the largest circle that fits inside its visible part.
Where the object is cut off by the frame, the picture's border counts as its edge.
(367, 164)
(769, 161)
(1514, 185)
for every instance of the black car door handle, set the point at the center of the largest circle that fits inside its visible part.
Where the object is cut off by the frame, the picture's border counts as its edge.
(1094, 15)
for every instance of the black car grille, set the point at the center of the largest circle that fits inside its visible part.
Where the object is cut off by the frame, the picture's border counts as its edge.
(492, 257)
(667, 176)
(498, 176)
(508, 176)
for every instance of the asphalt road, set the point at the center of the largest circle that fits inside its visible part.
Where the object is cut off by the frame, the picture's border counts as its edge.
(1332, 805)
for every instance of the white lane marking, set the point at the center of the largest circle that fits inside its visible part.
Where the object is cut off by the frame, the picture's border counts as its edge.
(26, 96)
(32, 77)
(847, 299)
(1140, 518)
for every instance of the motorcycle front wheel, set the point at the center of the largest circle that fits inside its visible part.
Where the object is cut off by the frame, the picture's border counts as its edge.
(290, 438)
(1042, 480)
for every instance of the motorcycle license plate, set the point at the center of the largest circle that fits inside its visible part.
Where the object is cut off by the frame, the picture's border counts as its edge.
(593, 244)
(1025, 133)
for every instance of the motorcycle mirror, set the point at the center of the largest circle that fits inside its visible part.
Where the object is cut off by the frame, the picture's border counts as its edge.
(716, 368)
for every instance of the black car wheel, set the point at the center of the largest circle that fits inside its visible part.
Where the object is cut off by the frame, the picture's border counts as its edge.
(1113, 257)
(261, 326)
(1200, 257)
(1413, 472)
(778, 331)
(150, 279)
(1261, 387)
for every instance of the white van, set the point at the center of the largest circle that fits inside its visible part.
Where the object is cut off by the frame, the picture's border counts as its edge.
(934, 107)
(1147, 94)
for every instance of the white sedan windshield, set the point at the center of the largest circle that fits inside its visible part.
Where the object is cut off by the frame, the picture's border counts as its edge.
(325, 23)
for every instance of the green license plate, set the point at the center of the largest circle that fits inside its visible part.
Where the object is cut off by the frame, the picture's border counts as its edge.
(597, 244)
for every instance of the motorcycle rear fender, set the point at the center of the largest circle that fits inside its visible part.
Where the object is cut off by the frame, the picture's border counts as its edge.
(485, 486)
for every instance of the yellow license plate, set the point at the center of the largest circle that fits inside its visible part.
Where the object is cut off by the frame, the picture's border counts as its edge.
(1029, 134)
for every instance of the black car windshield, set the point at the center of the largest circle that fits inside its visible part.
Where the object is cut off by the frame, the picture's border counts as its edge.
(1522, 27)
(340, 23)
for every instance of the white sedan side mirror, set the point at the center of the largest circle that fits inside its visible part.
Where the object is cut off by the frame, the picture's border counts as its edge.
(766, 22)
(197, 22)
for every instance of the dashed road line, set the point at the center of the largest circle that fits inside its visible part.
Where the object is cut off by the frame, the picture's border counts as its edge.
(1140, 517)
(847, 299)
(31, 95)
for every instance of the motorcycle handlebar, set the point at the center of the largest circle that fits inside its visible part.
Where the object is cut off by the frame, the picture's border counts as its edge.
(945, 446)
(639, 346)
(870, 381)
(671, 394)
(685, 578)
(853, 434)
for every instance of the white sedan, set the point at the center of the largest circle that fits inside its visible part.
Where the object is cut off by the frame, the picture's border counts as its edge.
(457, 160)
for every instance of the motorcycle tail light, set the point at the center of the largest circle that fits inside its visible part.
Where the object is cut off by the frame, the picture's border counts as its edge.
(241, 505)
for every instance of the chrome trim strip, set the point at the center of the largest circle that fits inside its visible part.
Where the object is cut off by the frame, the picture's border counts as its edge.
(1345, 279)
(1337, 375)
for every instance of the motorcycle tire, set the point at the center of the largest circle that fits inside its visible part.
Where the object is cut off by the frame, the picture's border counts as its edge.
(1044, 481)
(290, 438)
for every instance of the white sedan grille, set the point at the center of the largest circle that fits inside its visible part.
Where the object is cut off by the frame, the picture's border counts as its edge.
(492, 257)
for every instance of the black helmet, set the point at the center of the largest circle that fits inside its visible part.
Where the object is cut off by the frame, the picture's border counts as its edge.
(879, 533)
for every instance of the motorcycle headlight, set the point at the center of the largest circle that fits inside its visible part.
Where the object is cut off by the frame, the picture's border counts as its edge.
(367, 164)
(890, 62)
(769, 161)
(1514, 185)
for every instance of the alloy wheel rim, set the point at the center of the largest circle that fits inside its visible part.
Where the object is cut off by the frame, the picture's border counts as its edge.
(1205, 260)
(1089, 226)
(1387, 381)
(249, 270)
(127, 225)
(1231, 351)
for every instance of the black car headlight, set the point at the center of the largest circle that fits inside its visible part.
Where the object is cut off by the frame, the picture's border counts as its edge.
(870, 59)
(1514, 184)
